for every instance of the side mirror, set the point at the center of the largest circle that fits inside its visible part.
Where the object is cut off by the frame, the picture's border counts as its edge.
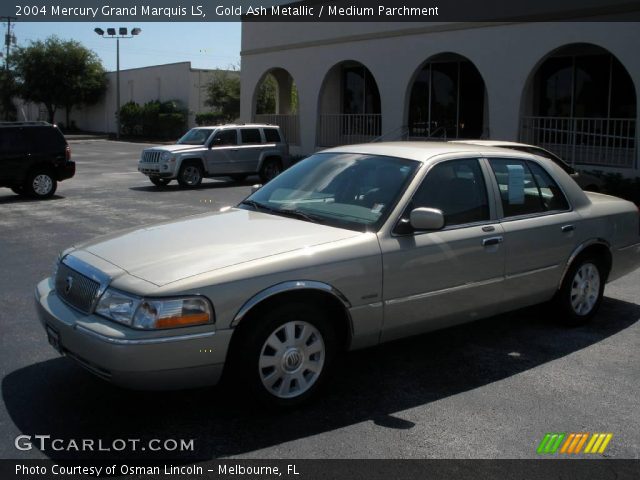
(256, 187)
(426, 219)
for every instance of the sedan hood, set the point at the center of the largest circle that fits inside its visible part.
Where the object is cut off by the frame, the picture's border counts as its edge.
(168, 252)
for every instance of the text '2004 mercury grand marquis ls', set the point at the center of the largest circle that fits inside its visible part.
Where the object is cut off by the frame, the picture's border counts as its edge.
(351, 247)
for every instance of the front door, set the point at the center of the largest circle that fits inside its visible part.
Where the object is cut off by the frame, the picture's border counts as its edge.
(438, 278)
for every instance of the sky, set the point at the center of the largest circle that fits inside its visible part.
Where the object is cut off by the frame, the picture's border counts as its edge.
(206, 45)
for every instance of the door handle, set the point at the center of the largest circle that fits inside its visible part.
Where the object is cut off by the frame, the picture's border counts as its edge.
(491, 241)
(568, 228)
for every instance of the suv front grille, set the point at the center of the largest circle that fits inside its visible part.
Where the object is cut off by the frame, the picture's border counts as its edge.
(76, 289)
(151, 157)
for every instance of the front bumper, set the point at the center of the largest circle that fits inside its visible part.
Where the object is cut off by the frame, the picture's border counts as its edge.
(145, 360)
(156, 170)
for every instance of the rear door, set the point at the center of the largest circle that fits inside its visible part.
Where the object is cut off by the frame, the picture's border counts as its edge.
(14, 156)
(539, 229)
(251, 146)
(438, 278)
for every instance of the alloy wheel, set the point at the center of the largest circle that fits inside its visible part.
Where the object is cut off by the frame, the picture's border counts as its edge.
(585, 289)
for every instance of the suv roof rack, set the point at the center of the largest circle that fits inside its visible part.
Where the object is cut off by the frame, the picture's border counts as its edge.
(18, 124)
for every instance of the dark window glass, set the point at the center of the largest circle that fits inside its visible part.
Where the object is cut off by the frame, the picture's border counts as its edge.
(45, 140)
(359, 91)
(518, 190)
(457, 188)
(12, 140)
(250, 135)
(526, 188)
(271, 135)
(225, 137)
(552, 196)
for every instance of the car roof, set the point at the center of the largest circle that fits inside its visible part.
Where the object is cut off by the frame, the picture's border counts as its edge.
(238, 125)
(421, 151)
(493, 143)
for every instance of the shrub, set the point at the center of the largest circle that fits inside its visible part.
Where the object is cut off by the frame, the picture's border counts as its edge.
(155, 119)
(210, 118)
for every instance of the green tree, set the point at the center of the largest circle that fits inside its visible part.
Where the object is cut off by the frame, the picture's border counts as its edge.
(267, 94)
(59, 73)
(8, 90)
(223, 94)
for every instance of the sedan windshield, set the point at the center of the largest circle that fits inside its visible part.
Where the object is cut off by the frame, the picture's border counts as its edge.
(195, 136)
(345, 190)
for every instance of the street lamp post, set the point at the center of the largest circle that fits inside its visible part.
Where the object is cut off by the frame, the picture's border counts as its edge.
(111, 34)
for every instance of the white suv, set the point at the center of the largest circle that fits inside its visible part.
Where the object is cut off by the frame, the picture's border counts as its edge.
(234, 151)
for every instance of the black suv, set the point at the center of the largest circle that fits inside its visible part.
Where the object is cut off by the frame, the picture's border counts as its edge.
(34, 157)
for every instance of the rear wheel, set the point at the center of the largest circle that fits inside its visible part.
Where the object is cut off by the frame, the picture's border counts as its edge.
(40, 184)
(271, 168)
(190, 174)
(284, 359)
(160, 182)
(581, 293)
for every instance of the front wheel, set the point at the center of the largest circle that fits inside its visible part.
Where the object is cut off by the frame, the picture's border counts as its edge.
(582, 290)
(285, 357)
(160, 182)
(190, 175)
(40, 184)
(271, 168)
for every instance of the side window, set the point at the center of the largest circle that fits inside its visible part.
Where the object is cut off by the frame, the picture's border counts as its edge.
(457, 188)
(271, 135)
(11, 140)
(225, 137)
(45, 139)
(524, 192)
(552, 196)
(250, 135)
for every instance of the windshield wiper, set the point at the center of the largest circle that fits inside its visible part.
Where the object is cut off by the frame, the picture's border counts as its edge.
(283, 212)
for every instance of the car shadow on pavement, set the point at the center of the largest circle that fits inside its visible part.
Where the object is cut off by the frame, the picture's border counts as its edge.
(12, 198)
(58, 398)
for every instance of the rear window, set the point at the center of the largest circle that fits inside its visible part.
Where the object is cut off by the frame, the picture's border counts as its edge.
(271, 135)
(250, 135)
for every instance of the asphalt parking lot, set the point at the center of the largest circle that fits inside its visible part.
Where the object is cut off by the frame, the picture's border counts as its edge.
(490, 389)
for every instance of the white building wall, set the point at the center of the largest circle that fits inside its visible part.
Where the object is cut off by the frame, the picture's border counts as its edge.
(177, 81)
(506, 55)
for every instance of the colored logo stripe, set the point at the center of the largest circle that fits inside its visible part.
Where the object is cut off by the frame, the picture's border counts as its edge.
(573, 443)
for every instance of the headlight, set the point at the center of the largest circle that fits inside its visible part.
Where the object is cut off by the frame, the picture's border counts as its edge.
(174, 312)
(166, 156)
(118, 306)
(154, 313)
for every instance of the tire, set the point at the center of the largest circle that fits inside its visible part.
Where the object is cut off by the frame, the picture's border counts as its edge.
(190, 174)
(160, 182)
(581, 293)
(239, 177)
(271, 168)
(40, 184)
(274, 363)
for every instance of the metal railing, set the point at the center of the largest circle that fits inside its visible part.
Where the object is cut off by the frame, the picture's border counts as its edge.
(607, 142)
(343, 129)
(289, 125)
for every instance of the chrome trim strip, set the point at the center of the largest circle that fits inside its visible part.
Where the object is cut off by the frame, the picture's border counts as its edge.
(145, 341)
(287, 287)
(576, 252)
(531, 272)
(433, 293)
(629, 247)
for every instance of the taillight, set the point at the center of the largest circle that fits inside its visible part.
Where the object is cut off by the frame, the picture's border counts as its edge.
(67, 153)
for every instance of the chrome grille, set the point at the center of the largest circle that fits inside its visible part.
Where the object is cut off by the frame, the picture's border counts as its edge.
(76, 289)
(151, 156)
